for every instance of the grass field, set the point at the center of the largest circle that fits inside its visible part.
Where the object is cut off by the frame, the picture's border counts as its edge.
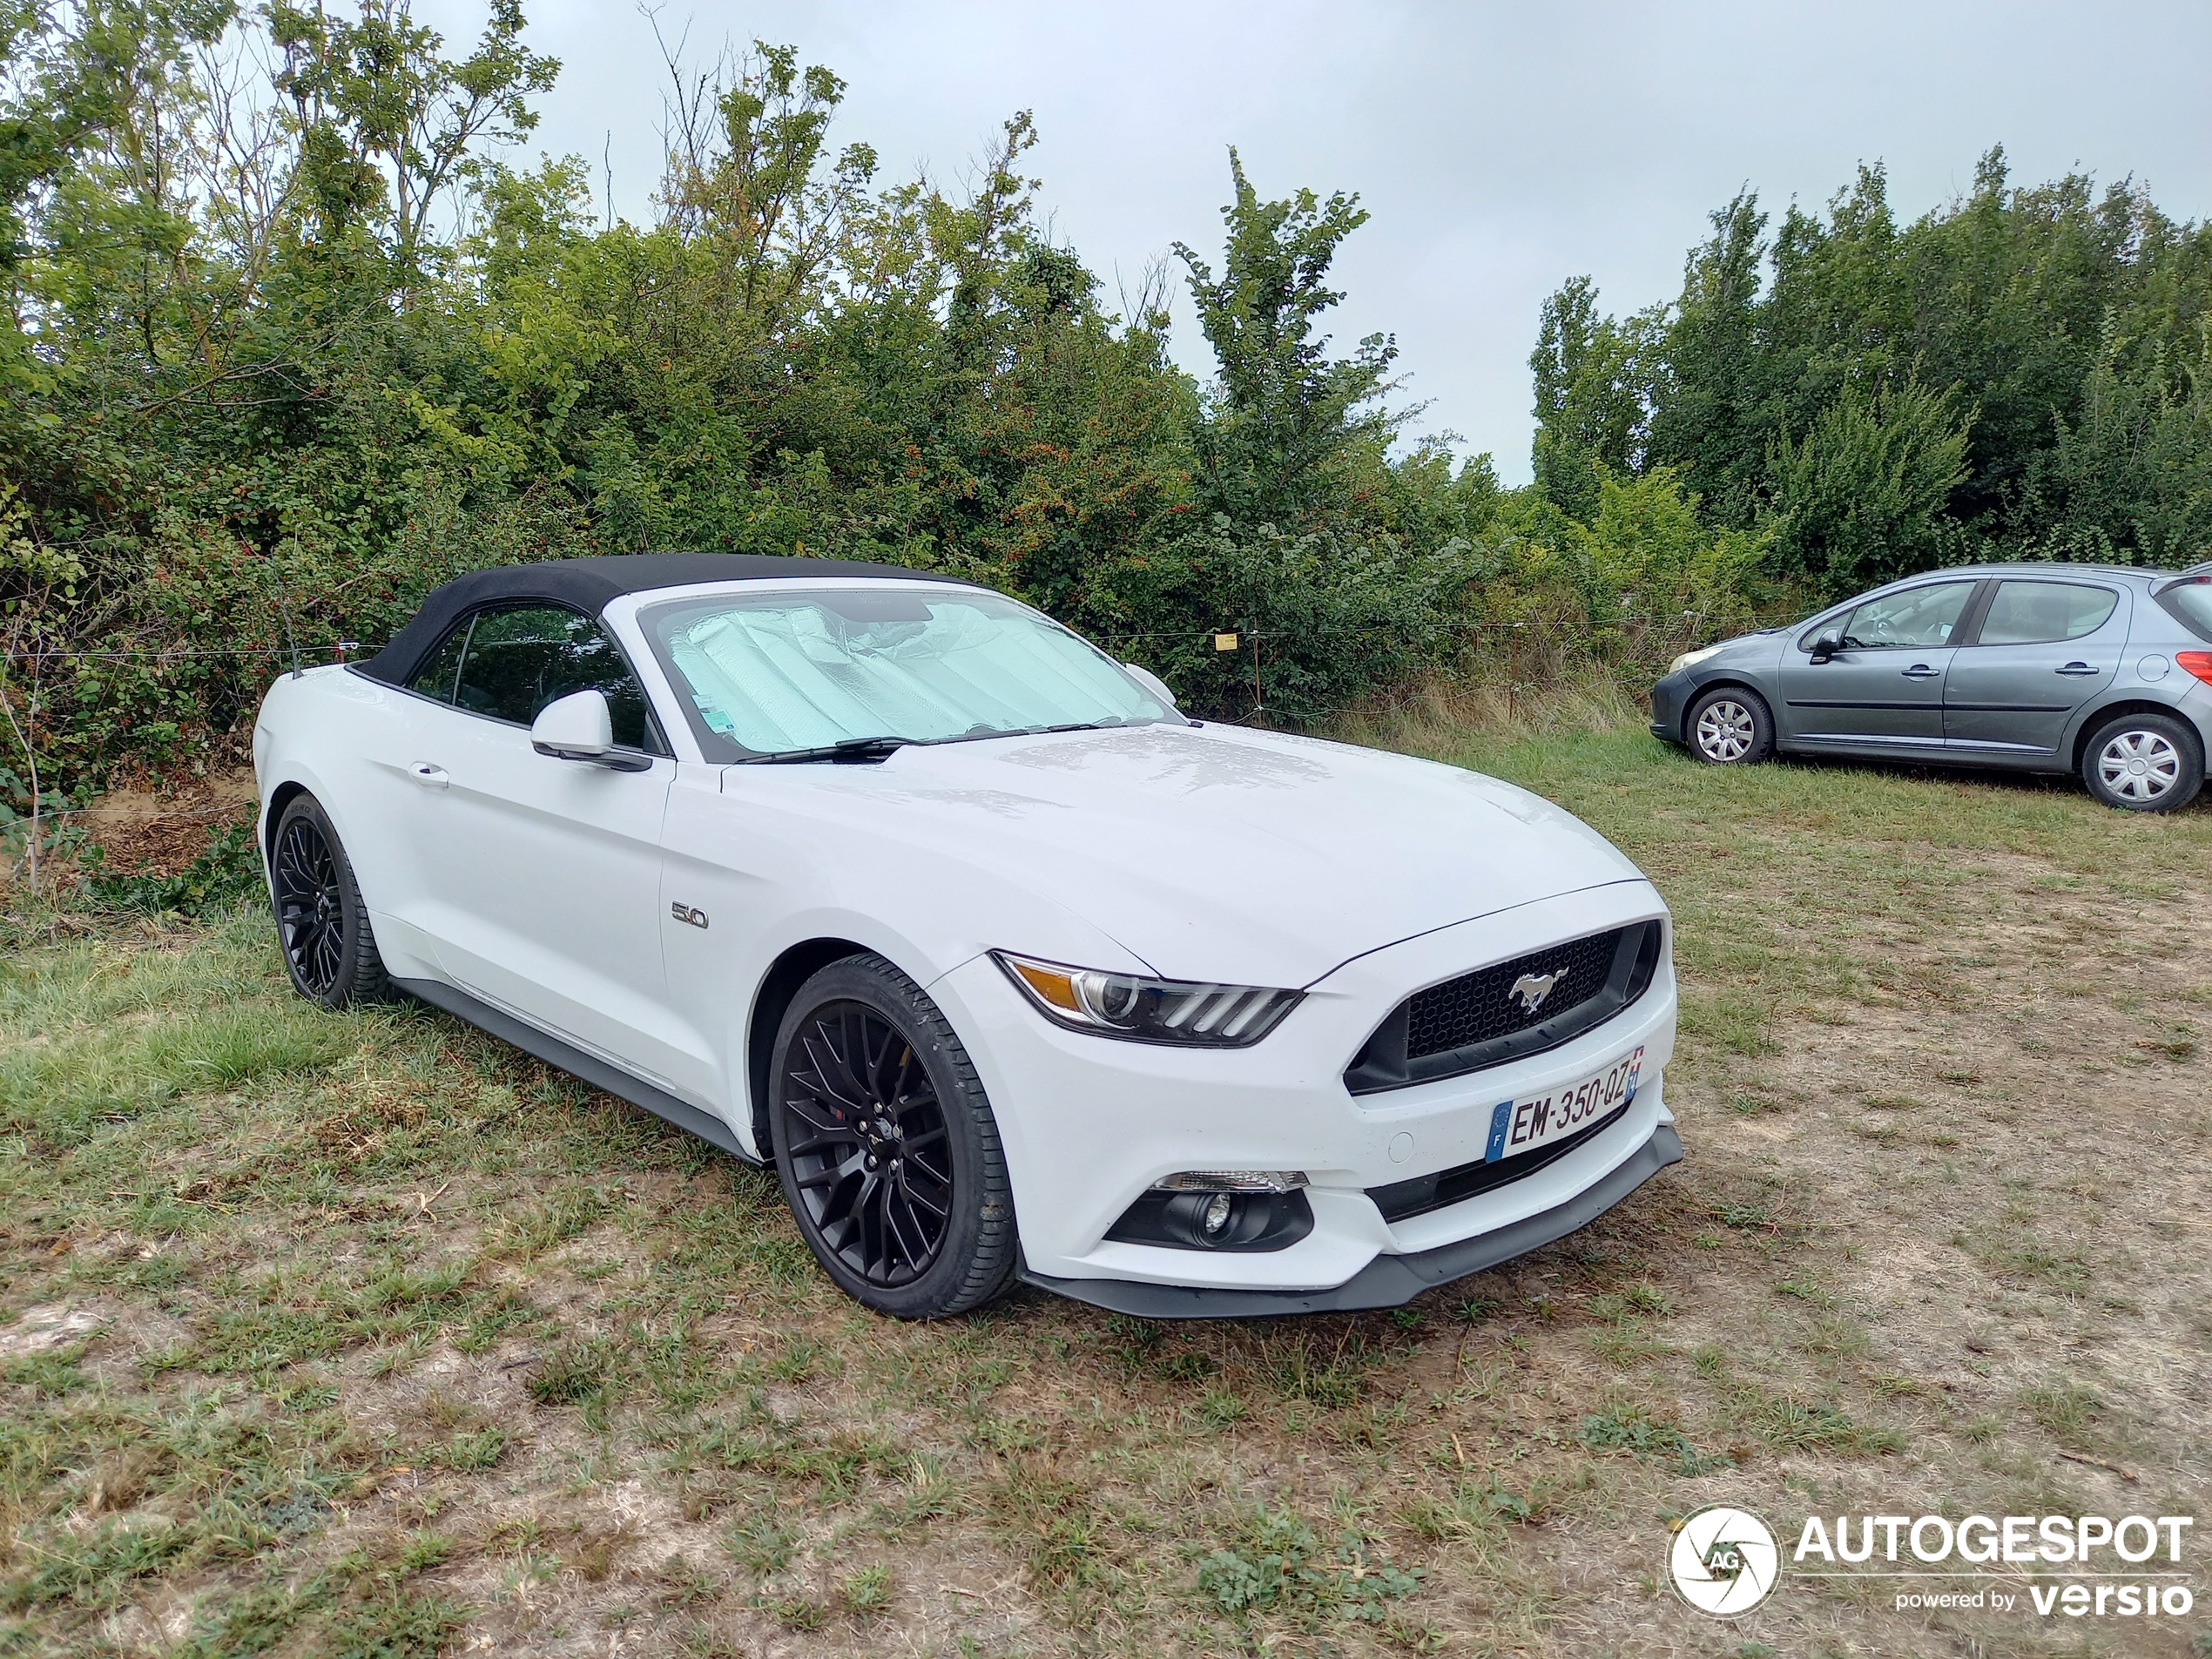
(366, 1336)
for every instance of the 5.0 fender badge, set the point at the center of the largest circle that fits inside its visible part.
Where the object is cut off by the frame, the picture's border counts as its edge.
(685, 913)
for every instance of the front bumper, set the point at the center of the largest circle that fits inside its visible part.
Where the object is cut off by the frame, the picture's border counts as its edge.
(1089, 1123)
(1669, 700)
(1388, 1281)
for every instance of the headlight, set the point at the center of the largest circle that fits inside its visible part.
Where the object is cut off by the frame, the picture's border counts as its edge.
(1149, 1010)
(1691, 659)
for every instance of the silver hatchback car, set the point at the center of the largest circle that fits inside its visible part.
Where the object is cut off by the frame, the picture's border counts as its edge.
(2099, 669)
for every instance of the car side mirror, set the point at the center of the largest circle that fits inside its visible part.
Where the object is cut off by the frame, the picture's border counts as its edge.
(1829, 642)
(579, 727)
(1151, 683)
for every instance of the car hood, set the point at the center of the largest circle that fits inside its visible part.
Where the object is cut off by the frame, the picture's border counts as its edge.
(1762, 647)
(1218, 852)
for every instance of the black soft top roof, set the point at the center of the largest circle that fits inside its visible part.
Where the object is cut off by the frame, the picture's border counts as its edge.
(590, 585)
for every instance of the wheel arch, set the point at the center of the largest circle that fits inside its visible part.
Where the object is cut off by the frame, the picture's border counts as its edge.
(2098, 718)
(279, 798)
(1723, 683)
(792, 969)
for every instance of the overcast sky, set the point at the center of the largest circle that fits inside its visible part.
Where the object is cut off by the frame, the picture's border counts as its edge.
(1500, 149)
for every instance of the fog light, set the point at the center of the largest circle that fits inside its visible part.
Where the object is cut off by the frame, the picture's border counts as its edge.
(1218, 1219)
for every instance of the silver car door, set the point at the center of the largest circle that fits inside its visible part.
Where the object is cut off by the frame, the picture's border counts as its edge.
(2043, 650)
(1884, 687)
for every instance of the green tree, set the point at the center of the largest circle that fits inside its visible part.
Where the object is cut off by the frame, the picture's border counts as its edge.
(1284, 417)
(2131, 478)
(1706, 415)
(1860, 499)
(1590, 401)
(2060, 326)
(389, 127)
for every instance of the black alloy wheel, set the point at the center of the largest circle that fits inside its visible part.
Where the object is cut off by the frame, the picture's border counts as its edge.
(866, 1138)
(321, 922)
(886, 1145)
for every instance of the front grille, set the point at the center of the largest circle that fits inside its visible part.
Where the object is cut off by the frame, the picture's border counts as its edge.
(1483, 1019)
(1483, 1006)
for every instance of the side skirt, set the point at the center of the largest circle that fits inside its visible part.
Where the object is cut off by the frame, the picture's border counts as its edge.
(2043, 762)
(588, 1068)
(1388, 1281)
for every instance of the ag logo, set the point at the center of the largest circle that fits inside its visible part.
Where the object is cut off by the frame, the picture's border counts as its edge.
(1725, 1560)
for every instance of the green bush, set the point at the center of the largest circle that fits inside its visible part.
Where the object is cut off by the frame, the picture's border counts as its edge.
(225, 875)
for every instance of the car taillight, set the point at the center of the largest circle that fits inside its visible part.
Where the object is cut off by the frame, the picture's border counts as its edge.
(2198, 663)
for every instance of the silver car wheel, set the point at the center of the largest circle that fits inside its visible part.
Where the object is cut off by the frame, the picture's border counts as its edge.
(1725, 730)
(2139, 765)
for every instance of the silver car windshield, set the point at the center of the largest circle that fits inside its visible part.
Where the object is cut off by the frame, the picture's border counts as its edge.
(780, 672)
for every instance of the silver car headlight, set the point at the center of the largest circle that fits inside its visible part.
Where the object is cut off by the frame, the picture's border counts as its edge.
(1149, 1010)
(1691, 659)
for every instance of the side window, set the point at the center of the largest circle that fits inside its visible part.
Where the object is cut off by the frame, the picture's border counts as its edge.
(2036, 613)
(518, 661)
(1916, 617)
(436, 677)
(2190, 600)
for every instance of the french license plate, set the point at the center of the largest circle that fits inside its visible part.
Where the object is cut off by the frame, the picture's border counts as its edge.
(1518, 1126)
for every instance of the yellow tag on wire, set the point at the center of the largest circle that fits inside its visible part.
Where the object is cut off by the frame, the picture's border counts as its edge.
(1224, 642)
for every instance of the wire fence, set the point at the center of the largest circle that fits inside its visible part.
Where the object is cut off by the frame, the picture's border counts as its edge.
(38, 654)
(234, 809)
(347, 650)
(1224, 640)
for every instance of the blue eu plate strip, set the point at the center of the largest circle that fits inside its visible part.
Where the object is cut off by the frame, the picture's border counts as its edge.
(1499, 1116)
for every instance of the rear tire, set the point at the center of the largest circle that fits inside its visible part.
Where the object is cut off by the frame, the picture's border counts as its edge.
(1730, 727)
(885, 1146)
(329, 948)
(2143, 762)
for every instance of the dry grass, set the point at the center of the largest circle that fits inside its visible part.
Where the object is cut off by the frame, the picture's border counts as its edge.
(368, 1336)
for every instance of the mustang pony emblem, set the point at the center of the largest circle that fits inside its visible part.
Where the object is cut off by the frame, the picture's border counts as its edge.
(1533, 988)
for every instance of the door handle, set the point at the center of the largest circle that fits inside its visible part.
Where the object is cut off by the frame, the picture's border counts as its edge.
(2078, 671)
(429, 776)
(1920, 671)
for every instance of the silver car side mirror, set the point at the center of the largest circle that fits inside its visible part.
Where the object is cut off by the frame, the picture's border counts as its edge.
(579, 727)
(1151, 683)
(1830, 641)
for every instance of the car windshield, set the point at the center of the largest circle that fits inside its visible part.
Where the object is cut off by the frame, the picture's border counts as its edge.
(775, 672)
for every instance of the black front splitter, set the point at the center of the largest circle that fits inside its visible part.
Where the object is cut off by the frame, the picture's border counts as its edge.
(1388, 1281)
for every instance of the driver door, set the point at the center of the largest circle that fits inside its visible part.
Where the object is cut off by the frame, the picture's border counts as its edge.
(545, 872)
(1883, 686)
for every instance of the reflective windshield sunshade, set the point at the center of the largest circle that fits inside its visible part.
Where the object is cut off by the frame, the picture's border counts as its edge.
(1150, 1010)
(781, 673)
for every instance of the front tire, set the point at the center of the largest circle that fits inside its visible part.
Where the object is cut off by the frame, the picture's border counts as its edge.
(1730, 727)
(329, 948)
(885, 1146)
(2143, 762)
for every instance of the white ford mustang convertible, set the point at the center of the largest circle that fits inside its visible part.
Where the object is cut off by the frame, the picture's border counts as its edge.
(1009, 968)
